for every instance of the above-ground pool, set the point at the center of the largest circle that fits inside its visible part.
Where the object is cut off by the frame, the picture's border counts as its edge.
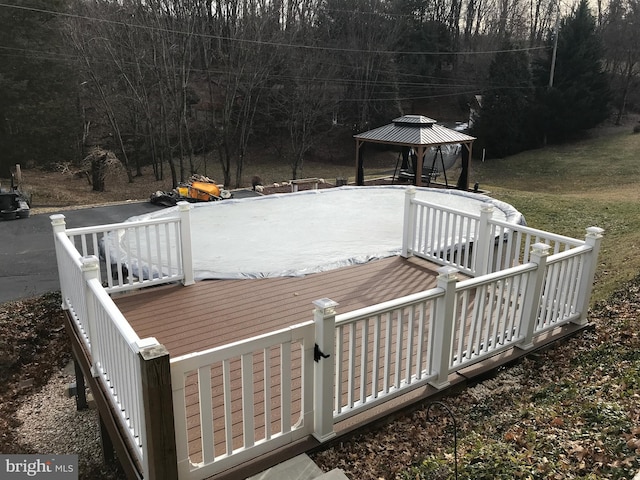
(310, 231)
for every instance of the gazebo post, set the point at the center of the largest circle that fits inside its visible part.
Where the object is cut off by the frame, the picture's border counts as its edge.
(463, 181)
(359, 163)
(418, 178)
(469, 164)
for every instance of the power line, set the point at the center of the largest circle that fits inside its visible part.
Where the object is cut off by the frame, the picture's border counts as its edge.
(266, 43)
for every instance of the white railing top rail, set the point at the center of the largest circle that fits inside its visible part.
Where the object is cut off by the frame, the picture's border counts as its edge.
(194, 360)
(116, 316)
(493, 277)
(69, 248)
(383, 307)
(574, 252)
(574, 242)
(444, 208)
(119, 226)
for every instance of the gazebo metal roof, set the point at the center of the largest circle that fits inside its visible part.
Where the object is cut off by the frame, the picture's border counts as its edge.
(420, 133)
(414, 130)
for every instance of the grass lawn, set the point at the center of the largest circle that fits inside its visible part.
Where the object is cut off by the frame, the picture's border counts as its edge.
(564, 189)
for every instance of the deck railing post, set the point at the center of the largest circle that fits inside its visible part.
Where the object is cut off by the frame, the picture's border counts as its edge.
(594, 239)
(484, 241)
(324, 371)
(532, 295)
(408, 227)
(59, 225)
(90, 271)
(184, 209)
(159, 443)
(443, 326)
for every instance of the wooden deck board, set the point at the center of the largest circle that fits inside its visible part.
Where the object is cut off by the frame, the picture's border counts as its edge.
(217, 312)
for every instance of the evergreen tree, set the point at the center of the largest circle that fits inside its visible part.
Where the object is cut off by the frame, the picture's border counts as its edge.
(503, 126)
(579, 94)
(38, 103)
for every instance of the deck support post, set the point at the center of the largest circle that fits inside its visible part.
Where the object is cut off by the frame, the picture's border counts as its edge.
(324, 316)
(184, 209)
(59, 225)
(531, 307)
(484, 241)
(408, 229)
(443, 327)
(161, 461)
(90, 271)
(593, 239)
(81, 394)
(108, 451)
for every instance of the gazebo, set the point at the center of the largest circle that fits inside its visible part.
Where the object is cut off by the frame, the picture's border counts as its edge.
(420, 133)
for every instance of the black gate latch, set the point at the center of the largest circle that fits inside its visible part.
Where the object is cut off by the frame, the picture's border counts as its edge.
(317, 354)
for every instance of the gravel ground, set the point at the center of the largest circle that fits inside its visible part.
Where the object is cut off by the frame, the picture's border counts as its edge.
(51, 424)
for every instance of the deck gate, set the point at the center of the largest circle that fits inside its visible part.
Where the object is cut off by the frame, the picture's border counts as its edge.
(238, 401)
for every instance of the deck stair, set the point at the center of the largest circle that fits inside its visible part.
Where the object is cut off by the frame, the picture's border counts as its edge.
(299, 468)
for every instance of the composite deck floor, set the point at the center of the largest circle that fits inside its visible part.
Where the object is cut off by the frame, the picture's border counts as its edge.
(211, 313)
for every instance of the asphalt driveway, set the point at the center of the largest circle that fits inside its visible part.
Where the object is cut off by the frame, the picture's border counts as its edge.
(27, 255)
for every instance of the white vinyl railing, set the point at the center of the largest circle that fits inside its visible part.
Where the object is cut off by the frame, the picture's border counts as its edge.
(114, 354)
(382, 350)
(72, 282)
(440, 234)
(248, 397)
(473, 244)
(387, 349)
(488, 314)
(135, 255)
(112, 344)
(562, 298)
(512, 245)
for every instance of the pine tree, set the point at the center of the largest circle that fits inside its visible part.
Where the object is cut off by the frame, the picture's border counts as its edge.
(503, 127)
(578, 97)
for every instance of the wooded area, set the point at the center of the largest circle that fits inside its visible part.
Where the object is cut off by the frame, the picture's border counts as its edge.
(187, 82)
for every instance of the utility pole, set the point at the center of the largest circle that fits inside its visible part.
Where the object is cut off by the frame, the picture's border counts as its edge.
(553, 58)
(555, 47)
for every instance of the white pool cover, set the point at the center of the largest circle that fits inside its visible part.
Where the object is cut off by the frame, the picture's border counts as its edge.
(310, 231)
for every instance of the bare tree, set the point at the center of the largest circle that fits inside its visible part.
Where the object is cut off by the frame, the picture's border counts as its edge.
(91, 47)
(238, 71)
(362, 39)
